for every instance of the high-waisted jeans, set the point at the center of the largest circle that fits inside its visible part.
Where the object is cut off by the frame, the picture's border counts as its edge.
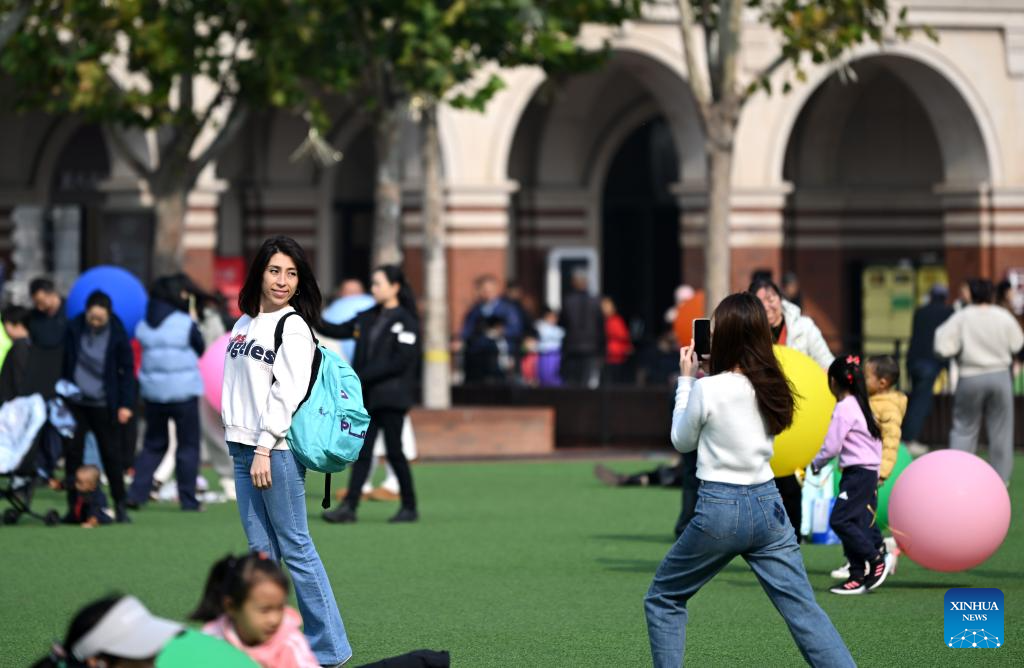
(730, 521)
(275, 522)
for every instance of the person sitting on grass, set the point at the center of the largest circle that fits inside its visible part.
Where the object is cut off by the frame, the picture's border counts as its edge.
(119, 632)
(855, 438)
(90, 509)
(665, 475)
(731, 418)
(246, 604)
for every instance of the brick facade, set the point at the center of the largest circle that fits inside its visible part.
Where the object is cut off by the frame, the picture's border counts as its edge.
(484, 432)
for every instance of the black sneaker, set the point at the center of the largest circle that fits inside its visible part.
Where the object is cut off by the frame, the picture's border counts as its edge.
(405, 515)
(852, 587)
(343, 514)
(878, 571)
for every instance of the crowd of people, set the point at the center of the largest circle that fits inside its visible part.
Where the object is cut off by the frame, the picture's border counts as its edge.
(586, 342)
(728, 409)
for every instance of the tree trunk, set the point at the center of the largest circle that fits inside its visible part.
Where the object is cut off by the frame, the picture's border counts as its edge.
(437, 391)
(168, 248)
(721, 129)
(387, 215)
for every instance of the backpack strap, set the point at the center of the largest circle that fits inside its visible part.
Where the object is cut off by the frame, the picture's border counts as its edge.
(317, 356)
(279, 330)
(326, 503)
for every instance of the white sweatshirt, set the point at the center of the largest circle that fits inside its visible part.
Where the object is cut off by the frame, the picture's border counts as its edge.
(982, 338)
(254, 411)
(720, 415)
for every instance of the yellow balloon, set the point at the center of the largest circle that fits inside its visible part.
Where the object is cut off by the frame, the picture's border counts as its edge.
(796, 447)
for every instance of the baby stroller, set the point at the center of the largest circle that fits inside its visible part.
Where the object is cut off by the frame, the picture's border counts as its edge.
(20, 422)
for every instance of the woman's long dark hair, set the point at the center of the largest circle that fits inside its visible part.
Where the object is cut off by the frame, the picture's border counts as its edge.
(743, 340)
(83, 622)
(233, 578)
(848, 374)
(169, 288)
(307, 300)
(406, 298)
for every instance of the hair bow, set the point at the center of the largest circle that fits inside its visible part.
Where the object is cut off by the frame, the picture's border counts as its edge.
(853, 359)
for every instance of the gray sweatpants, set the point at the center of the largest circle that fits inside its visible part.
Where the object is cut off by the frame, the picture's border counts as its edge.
(990, 396)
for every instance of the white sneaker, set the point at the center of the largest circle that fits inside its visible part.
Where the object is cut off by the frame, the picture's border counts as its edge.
(917, 449)
(892, 554)
(841, 573)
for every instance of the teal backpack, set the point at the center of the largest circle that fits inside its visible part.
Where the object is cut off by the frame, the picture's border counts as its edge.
(329, 426)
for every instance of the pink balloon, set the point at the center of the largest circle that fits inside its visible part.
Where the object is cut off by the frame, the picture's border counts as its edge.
(211, 368)
(949, 511)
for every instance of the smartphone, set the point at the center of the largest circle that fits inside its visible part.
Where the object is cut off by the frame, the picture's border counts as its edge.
(702, 337)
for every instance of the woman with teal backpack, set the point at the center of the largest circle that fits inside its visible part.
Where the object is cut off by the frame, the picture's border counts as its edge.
(386, 359)
(263, 387)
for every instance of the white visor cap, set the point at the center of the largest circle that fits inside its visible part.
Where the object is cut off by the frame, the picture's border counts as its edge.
(127, 631)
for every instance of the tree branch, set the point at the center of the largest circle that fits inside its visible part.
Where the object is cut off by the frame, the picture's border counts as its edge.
(126, 152)
(698, 76)
(766, 73)
(11, 23)
(236, 121)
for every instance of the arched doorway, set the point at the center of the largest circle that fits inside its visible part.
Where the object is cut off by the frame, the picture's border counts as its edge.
(640, 253)
(878, 166)
(596, 159)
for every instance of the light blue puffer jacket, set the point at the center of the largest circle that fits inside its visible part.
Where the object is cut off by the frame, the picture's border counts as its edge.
(170, 367)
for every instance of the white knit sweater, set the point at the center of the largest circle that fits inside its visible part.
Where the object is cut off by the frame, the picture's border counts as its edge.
(982, 338)
(718, 417)
(256, 411)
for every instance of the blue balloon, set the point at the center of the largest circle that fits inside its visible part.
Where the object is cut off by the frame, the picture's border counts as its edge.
(126, 293)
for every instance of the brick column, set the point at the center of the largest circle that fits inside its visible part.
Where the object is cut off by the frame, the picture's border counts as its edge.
(755, 232)
(477, 222)
(200, 240)
(290, 211)
(548, 218)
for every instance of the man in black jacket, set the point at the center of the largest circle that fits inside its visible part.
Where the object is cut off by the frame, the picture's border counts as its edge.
(46, 329)
(583, 349)
(98, 361)
(923, 365)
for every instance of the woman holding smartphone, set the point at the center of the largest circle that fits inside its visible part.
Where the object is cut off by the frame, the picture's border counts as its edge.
(262, 389)
(731, 418)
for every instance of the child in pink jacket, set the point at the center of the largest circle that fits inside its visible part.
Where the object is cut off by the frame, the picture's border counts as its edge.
(854, 437)
(245, 603)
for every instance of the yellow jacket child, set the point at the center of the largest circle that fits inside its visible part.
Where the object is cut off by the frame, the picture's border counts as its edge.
(889, 408)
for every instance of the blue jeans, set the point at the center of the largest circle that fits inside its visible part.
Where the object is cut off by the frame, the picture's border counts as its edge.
(275, 522)
(730, 521)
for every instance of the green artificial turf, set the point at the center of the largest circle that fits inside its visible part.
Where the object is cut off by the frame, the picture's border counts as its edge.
(513, 564)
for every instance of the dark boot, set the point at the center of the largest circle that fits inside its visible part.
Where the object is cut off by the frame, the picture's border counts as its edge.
(405, 515)
(343, 514)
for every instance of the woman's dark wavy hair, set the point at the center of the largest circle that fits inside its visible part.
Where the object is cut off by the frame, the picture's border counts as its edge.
(406, 298)
(307, 300)
(232, 578)
(848, 375)
(83, 622)
(169, 288)
(742, 339)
